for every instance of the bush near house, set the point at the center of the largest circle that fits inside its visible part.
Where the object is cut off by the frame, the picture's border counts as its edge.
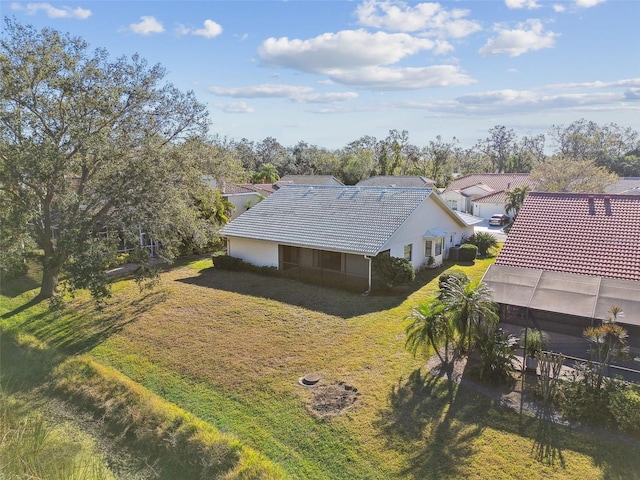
(392, 271)
(484, 241)
(450, 274)
(468, 252)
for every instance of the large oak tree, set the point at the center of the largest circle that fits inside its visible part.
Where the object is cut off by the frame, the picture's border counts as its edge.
(89, 144)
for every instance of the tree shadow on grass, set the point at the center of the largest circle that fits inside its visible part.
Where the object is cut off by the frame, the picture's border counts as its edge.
(433, 425)
(547, 443)
(15, 286)
(80, 328)
(332, 301)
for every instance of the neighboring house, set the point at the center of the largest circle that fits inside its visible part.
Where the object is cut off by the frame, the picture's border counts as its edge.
(334, 231)
(309, 180)
(625, 186)
(568, 259)
(241, 196)
(397, 181)
(483, 194)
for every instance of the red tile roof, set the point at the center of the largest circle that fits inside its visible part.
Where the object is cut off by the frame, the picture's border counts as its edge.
(588, 234)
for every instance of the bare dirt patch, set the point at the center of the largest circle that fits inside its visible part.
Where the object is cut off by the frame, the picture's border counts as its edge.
(333, 399)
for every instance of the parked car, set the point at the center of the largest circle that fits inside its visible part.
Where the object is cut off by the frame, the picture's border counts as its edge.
(499, 219)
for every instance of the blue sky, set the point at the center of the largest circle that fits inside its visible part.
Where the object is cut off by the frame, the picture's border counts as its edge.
(329, 72)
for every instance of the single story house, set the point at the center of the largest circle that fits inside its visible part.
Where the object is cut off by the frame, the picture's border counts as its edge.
(483, 194)
(335, 231)
(568, 259)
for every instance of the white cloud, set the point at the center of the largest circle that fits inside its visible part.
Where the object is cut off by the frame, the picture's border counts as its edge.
(343, 50)
(235, 107)
(528, 4)
(268, 90)
(51, 11)
(358, 58)
(528, 36)
(146, 26)
(576, 5)
(430, 18)
(410, 78)
(588, 3)
(632, 94)
(625, 83)
(546, 99)
(210, 29)
(294, 93)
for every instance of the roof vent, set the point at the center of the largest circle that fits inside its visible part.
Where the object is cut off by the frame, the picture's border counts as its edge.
(382, 194)
(308, 191)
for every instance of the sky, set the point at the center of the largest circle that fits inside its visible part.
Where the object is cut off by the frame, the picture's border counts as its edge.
(329, 72)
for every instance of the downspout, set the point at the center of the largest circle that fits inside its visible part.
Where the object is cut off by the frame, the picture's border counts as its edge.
(367, 257)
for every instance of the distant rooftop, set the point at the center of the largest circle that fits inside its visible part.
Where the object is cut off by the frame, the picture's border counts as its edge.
(397, 181)
(496, 181)
(626, 185)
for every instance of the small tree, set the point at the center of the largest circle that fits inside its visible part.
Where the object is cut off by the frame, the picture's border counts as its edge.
(607, 342)
(432, 332)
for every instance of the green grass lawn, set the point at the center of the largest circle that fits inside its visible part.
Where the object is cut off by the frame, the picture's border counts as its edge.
(229, 347)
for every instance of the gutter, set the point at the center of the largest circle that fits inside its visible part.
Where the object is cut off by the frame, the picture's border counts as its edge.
(364, 294)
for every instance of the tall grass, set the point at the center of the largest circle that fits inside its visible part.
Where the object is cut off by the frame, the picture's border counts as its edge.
(34, 448)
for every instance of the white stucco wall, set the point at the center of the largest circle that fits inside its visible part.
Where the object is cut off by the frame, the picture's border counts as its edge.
(486, 210)
(240, 201)
(262, 254)
(429, 216)
(463, 204)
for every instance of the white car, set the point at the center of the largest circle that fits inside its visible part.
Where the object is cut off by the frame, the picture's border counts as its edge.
(499, 219)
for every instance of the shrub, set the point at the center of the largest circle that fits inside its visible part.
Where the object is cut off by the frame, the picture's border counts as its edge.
(496, 357)
(447, 276)
(484, 241)
(226, 262)
(581, 398)
(537, 341)
(393, 271)
(624, 405)
(468, 252)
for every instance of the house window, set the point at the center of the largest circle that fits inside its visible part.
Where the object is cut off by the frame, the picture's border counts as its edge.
(453, 204)
(428, 249)
(439, 243)
(407, 252)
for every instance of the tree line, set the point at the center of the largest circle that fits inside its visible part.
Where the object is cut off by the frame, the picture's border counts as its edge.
(609, 148)
(95, 151)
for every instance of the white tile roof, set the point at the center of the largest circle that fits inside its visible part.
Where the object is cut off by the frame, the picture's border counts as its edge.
(348, 219)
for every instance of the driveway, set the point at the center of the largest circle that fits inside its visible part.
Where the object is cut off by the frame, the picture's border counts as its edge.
(494, 230)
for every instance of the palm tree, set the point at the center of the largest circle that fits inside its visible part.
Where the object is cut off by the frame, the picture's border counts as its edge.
(268, 173)
(472, 310)
(484, 241)
(432, 331)
(515, 199)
